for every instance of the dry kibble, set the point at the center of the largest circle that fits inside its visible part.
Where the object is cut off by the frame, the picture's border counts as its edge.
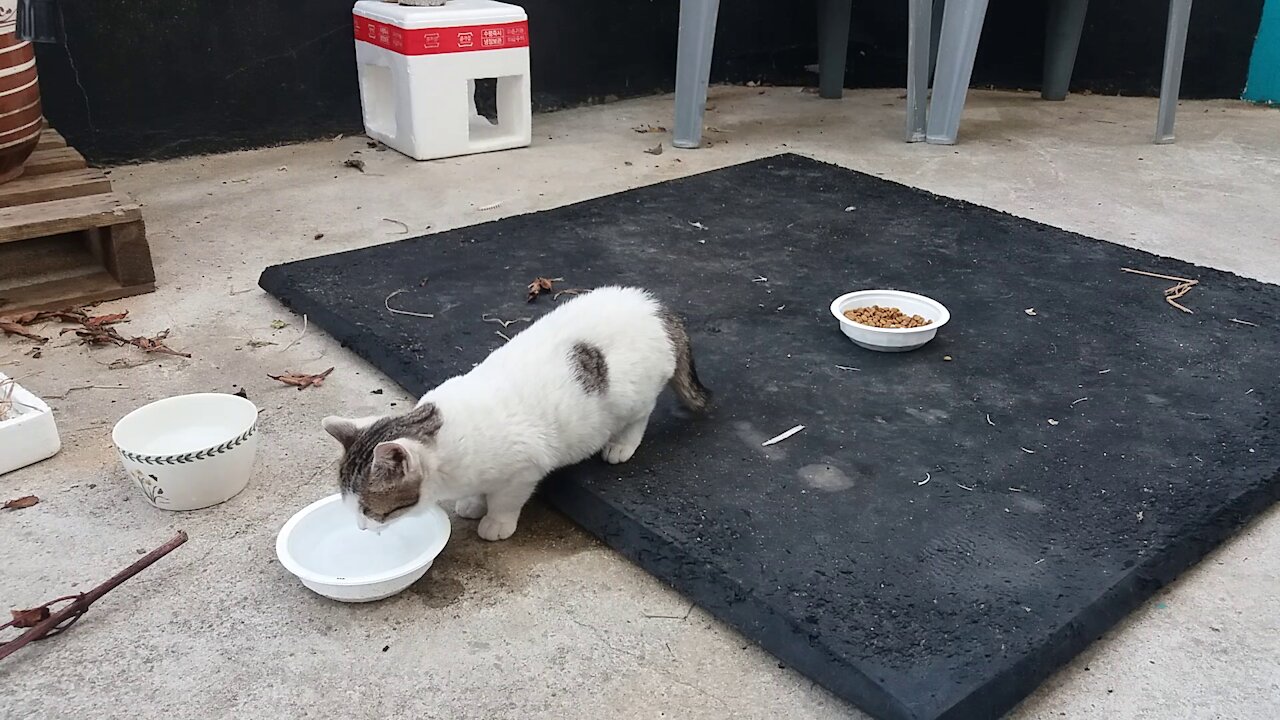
(885, 317)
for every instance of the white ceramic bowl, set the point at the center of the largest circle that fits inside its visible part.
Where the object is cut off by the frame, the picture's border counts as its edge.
(890, 339)
(191, 451)
(323, 546)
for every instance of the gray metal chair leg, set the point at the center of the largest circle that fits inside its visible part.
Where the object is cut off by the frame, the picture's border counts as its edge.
(1175, 46)
(919, 46)
(833, 46)
(935, 34)
(961, 29)
(1062, 39)
(693, 69)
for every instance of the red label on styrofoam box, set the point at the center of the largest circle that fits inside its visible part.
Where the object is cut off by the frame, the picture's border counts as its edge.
(435, 41)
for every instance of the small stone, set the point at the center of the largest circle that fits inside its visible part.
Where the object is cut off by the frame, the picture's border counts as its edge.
(946, 358)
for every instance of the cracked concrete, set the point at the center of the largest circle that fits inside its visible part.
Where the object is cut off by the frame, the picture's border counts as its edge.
(551, 623)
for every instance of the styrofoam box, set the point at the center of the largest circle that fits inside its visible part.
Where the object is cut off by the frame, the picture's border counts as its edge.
(28, 433)
(418, 67)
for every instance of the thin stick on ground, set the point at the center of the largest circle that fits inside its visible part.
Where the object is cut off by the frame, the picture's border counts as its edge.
(1170, 278)
(779, 438)
(300, 335)
(51, 623)
(1173, 294)
(396, 311)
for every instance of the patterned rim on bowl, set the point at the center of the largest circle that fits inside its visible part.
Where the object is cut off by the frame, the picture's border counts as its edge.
(191, 456)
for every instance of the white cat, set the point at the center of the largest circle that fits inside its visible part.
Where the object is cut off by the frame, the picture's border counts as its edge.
(581, 380)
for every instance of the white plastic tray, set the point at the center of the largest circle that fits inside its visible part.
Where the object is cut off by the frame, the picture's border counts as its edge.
(28, 433)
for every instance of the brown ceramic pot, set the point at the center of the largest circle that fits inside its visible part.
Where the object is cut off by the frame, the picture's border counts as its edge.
(21, 119)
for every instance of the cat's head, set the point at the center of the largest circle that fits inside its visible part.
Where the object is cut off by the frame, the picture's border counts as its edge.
(385, 462)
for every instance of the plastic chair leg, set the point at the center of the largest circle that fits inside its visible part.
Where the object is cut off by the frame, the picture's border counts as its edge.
(919, 47)
(693, 69)
(1175, 46)
(1062, 39)
(833, 46)
(961, 30)
(935, 34)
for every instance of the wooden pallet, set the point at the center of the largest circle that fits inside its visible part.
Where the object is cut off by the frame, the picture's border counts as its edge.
(65, 238)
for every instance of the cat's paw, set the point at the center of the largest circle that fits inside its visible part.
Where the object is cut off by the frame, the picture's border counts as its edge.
(497, 528)
(615, 453)
(471, 508)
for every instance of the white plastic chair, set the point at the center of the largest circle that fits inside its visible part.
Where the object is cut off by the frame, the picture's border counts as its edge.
(958, 44)
(697, 38)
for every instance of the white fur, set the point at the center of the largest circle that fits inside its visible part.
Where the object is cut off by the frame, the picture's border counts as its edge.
(522, 413)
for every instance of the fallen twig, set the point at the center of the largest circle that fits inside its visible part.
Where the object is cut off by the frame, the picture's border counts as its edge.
(85, 387)
(779, 438)
(490, 206)
(41, 622)
(927, 478)
(1243, 322)
(396, 311)
(685, 616)
(1171, 295)
(305, 322)
(504, 323)
(848, 367)
(502, 335)
(989, 420)
(1077, 402)
(964, 487)
(402, 224)
(567, 291)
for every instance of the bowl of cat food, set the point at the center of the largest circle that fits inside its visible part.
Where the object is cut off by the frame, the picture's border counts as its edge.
(325, 548)
(190, 451)
(889, 320)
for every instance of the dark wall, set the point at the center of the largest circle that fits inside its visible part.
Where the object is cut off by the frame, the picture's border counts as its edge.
(157, 78)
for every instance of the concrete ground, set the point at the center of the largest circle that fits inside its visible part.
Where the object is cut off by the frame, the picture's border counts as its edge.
(551, 623)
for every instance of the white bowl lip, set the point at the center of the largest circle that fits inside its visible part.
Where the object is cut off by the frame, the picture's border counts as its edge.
(426, 557)
(242, 433)
(943, 314)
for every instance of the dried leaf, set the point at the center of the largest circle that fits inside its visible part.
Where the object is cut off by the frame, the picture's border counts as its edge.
(155, 344)
(539, 286)
(649, 129)
(655, 150)
(31, 617)
(354, 164)
(25, 501)
(11, 327)
(101, 320)
(279, 324)
(301, 381)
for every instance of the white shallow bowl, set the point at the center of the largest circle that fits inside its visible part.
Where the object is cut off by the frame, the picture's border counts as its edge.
(322, 545)
(191, 451)
(890, 339)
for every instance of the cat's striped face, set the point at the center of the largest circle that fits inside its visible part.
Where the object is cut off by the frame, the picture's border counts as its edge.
(380, 474)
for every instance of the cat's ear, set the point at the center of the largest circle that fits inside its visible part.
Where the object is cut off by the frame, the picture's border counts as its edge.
(393, 455)
(342, 429)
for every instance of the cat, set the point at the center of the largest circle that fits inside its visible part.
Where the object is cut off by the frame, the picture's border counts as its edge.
(581, 380)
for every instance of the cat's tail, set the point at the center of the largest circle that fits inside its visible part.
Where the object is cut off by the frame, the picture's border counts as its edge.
(691, 392)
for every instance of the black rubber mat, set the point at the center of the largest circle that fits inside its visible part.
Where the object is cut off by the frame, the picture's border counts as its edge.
(953, 523)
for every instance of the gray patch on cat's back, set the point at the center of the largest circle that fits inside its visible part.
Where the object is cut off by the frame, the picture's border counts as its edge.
(589, 368)
(825, 477)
